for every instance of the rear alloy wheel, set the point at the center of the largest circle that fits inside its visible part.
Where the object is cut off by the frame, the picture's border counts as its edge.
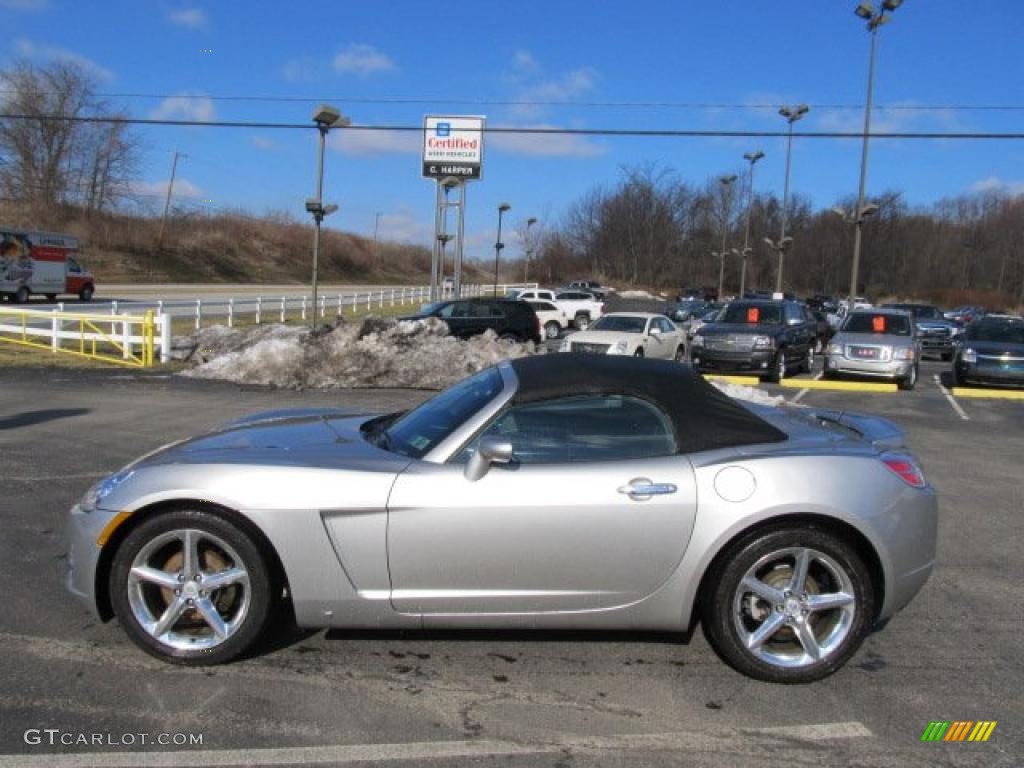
(909, 381)
(789, 605)
(552, 329)
(191, 588)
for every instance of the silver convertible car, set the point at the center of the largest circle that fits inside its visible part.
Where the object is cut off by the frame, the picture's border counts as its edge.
(554, 491)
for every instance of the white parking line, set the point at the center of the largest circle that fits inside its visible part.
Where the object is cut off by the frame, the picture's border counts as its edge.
(952, 401)
(797, 397)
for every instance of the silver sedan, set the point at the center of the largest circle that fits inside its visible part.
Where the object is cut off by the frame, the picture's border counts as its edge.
(555, 491)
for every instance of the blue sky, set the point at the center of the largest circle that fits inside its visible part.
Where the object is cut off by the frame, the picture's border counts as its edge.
(731, 52)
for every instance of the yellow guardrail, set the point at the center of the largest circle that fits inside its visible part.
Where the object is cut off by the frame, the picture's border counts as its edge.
(93, 336)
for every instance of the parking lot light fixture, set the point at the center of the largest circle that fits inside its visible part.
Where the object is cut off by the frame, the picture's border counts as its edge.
(752, 158)
(498, 245)
(529, 248)
(875, 19)
(325, 117)
(726, 182)
(791, 114)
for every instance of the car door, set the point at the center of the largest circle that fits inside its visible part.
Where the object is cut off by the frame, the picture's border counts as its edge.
(457, 315)
(655, 342)
(563, 527)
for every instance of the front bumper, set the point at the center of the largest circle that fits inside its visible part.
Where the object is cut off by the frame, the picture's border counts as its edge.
(893, 369)
(83, 530)
(718, 360)
(1011, 374)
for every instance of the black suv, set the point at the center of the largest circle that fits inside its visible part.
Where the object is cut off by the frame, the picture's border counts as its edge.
(766, 338)
(936, 332)
(510, 319)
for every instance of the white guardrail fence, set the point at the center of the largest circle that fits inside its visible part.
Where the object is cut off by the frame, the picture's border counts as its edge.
(123, 317)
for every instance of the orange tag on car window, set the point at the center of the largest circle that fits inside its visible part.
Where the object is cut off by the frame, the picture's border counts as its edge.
(878, 324)
(753, 314)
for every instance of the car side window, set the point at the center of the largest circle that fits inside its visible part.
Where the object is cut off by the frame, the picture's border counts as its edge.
(456, 309)
(581, 428)
(665, 325)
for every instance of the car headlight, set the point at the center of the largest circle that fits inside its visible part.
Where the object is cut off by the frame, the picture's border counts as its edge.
(619, 347)
(969, 356)
(698, 340)
(102, 489)
(835, 349)
(764, 342)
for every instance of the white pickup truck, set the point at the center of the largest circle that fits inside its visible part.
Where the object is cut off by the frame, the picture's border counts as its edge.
(580, 307)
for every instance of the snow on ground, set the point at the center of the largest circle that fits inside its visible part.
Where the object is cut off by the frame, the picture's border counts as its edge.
(376, 353)
(637, 295)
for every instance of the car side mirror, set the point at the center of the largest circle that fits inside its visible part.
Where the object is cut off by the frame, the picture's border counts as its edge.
(491, 450)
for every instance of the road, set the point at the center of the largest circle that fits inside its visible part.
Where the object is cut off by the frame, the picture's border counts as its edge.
(498, 698)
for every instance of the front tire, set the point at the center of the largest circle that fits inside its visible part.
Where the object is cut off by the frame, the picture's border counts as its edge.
(191, 588)
(779, 371)
(582, 321)
(22, 295)
(552, 329)
(788, 605)
(909, 381)
(86, 293)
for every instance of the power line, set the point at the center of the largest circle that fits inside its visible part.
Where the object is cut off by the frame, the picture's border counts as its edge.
(634, 132)
(656, 104)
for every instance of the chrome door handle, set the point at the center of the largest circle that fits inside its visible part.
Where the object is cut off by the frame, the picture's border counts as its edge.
(641, 488)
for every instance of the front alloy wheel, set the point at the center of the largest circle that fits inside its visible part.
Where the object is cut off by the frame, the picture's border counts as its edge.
(791, 606)
(191, 588)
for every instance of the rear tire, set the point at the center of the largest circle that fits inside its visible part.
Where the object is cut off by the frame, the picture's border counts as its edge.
(22, 295)
(552, 329)
(639, 352)
(777, 633)
(86, 293)
(581, 321)
(242, 608)
(51, 297)
(680, 356)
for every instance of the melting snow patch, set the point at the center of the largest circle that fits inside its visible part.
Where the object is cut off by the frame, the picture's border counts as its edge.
(376, 353)
(750, 394)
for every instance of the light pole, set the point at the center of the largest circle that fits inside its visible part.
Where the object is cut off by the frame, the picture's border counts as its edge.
(498, 245)
(376, 228)
(726, 182)
(444, 239)
(865, 10)
(325, 117)
(791, 114)
(752, 158)
(856, 217)
(529, 248)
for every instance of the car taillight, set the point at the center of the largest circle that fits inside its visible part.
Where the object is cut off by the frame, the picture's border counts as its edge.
(905, 468)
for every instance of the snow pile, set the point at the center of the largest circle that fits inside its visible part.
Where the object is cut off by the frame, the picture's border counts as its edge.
(637, 295)
(750, 394)
(376, 353)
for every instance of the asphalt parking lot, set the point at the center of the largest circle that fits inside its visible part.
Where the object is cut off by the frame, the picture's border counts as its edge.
(499, 698)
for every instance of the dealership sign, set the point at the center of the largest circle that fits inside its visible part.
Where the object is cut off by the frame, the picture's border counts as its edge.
(453, 146)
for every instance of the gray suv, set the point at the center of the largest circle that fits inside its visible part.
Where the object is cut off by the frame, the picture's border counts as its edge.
(880, 343)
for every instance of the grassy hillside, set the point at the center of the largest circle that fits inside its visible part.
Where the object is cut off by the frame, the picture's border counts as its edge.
(223, 247)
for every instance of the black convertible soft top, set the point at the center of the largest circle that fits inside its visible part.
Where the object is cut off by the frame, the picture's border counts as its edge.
(704, 418)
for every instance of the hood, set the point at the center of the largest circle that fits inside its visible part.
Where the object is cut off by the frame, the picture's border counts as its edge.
(872, 339)
(995, 348)
(311, 437)
(602, 337)
(933, 322)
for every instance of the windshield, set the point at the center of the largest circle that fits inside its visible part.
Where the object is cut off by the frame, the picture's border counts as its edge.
(620, 323)
(868, 322)
(1004, 331)
(752, 314)
(423, 428)
(919, 311)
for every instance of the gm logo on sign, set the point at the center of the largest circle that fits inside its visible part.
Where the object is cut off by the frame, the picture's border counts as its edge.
(444, 129)
(958, 730)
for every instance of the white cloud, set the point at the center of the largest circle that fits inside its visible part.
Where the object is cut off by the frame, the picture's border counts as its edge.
(538, 93)
(524, 62)
(301, 70)
(373, 141)
(190, 18)
(996, 184)
(404, 227)
(362, 60)
(262, 142)
(185, 107)
(183, 188)
(24, 5)
(32, 50)
(544, 144)
(896, 117)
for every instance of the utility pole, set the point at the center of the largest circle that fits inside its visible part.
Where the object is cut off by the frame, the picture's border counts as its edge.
(167, 202)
